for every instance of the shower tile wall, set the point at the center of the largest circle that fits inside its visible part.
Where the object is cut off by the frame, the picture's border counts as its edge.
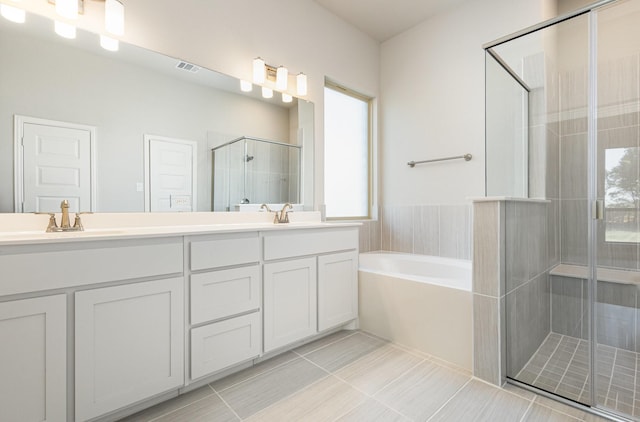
(527, 282)
(439, 230)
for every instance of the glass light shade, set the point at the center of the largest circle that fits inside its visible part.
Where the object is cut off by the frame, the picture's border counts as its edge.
(301, 84)
(12, 14)
(267, 92)
(286, 98)
(65, 30)
(114, 17)
(259, 71)
(282, 76)
(109, 43)
(246, 86)
(67, 8)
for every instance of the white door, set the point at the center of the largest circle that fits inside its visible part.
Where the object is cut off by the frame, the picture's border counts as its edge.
(170, 174)
(129, 344)
(33, 359)
(56, 164)
(290, 302)
(337, 289)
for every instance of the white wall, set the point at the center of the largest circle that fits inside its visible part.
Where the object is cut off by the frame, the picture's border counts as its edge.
(432, 103)
(227, 35)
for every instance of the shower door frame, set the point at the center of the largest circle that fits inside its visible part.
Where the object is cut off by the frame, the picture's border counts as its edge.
(594, 205)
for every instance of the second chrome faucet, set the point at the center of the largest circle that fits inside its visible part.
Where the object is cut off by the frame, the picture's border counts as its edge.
(281, 216)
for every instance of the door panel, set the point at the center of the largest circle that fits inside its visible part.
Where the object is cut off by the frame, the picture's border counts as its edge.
(56, 166)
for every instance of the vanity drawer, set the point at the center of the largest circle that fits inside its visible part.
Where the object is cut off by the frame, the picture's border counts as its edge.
(223, 344)
(307, 242)
(43, 267)
(223, 251)
(223, 293)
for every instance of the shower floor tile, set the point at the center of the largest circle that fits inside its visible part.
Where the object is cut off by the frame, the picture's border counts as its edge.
(561, 366)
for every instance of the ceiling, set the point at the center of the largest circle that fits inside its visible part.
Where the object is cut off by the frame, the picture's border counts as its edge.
(384, 19)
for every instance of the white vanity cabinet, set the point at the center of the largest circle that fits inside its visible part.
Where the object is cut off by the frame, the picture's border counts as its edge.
(33, 359)
(312, 284)
(226, 299)
(129, 344)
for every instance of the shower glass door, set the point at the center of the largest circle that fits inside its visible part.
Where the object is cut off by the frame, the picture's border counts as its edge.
(617, 186)
(563, 118)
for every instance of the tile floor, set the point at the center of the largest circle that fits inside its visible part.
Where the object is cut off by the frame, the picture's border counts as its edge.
(561, 365)
(352, 376)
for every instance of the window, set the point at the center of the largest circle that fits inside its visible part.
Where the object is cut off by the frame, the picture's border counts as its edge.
(347, 152)
(622, 194)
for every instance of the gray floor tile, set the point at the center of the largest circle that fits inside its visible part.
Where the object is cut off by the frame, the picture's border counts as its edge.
(255, 394)
(372, 411)
(324, 341)
(324, 400)
(207, 409)
(538, 413)
(344, 352)
(376, 370)
(408, 394)
(478, 401)
(256, 370)
(171, 405)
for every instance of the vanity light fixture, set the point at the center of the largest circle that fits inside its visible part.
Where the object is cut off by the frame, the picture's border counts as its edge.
(246, 86)
(286, 98)
(65, 30)
(259, 71)
(114, 17)
(277, 78)
(267, 92)
(282, 76)
(13, 14)
(301, 84)
(108, 43)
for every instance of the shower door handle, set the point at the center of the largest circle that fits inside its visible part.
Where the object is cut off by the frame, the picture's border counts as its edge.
(598, 209)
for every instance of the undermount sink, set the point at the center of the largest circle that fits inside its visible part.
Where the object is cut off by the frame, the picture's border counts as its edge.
(85, 233)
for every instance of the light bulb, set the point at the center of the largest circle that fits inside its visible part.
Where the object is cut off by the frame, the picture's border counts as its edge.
(259, 72)
(109, 43)
(245, 86)
(67, 8)
(267, 92)
(286, 98)
(114, 17)
(301, 84)
(65, 30)
(282, 76)
(12, 14)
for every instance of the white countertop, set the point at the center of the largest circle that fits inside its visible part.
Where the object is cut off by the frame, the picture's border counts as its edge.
(23, 229)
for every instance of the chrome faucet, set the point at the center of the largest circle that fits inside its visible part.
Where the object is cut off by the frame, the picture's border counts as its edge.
(65, 225)
(281, 216)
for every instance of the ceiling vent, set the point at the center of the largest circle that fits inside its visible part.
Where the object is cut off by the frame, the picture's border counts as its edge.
(188, 67)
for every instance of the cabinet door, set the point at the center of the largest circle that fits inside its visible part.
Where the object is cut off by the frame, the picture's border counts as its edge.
(337, 289)
(290, 302)
(129, 344)
(33, 359)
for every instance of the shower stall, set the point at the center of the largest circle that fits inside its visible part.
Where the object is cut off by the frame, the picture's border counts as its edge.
(255, 171)
(563, 145)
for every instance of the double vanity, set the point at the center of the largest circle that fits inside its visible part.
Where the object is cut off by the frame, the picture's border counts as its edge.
(102, 323)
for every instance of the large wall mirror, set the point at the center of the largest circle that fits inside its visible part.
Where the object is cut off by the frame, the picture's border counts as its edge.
(122, 126)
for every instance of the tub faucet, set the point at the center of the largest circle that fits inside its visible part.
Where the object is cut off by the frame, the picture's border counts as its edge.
(65, 225)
